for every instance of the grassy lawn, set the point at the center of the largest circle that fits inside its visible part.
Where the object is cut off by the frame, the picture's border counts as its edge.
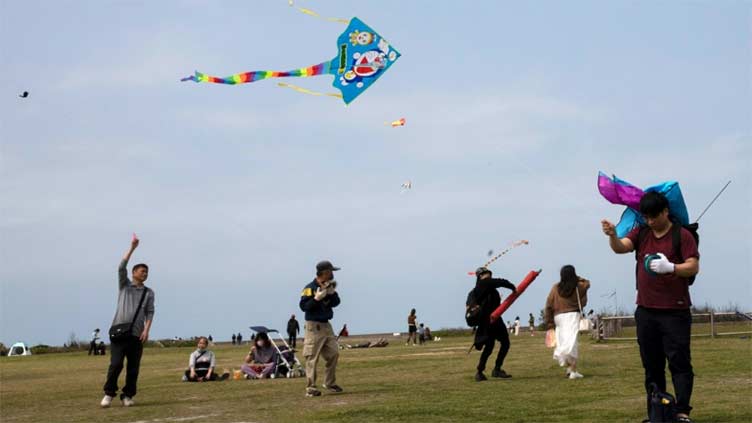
(399, 383)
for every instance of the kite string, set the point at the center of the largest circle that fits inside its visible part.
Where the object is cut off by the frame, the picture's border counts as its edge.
(310, 12)
(514, 245)
(713, 201)
(307, 91)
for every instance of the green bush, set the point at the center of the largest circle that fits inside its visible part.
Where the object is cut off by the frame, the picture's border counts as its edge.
(452, 332)
(41, 349)
(171, 343)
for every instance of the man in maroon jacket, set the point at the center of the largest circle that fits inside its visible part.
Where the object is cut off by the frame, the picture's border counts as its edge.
(663, 317)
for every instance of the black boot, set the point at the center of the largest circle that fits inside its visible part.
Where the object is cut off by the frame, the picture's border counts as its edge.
(500, 373)
(480, 377)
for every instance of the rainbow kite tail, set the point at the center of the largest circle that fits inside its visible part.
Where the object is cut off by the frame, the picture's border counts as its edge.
(253, 76)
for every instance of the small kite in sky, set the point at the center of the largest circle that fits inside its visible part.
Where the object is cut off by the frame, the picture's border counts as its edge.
(24, 94)
(497, 256)
(406, 186)
(396, 123)
(363, 56)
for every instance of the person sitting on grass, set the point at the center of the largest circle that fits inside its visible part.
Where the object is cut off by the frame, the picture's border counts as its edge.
(429, 336)
(201, 364)
(369, 344)
(261, 361)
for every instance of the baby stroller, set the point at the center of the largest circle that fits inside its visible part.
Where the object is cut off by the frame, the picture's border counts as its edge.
(287, 364)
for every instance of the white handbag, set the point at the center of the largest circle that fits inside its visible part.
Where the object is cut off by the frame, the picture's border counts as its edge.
(585, 323)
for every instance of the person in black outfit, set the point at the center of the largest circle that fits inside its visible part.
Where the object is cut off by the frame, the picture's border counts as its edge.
(233, 339)
(293, 329)
(488, 333)
(93, 343)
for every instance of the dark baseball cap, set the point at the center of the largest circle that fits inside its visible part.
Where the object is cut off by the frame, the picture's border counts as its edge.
(325, 265)
(481, 270)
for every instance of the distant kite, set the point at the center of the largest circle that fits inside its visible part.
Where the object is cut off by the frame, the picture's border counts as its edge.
(497, 256)
(406, 186)
(396, 123)
(24, 94)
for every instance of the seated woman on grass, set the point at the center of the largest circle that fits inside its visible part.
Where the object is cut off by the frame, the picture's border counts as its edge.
(201, 364)
(261, 361)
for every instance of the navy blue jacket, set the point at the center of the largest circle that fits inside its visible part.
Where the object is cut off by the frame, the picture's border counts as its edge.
(317, 311)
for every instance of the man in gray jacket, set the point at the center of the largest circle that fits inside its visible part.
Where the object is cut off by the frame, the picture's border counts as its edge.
(131, 348)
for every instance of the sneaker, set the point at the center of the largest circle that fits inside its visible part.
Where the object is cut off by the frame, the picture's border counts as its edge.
(500, 373)
(683, 419)
(106, 401)
(480, 377)
(335, 389)
(575, 375)
(225, 376)
(185, 378)
(312, 392)
(127, 401)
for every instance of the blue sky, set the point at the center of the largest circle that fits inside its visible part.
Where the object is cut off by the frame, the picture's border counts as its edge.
(236, 192)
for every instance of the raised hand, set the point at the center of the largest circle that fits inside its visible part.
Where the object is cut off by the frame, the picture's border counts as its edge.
(320, 294)
(608, 228)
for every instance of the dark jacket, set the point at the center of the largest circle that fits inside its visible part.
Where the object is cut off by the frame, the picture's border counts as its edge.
(317, 311)
(293, 328)
(486, 290)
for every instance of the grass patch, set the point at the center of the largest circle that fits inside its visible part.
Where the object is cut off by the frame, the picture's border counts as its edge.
(430, 383)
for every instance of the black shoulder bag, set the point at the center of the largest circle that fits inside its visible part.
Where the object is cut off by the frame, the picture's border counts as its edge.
(122, 331)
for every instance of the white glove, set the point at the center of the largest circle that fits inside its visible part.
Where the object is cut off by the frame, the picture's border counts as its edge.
(320, 294)
(661, 265)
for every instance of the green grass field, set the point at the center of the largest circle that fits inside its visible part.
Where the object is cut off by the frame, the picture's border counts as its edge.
(399, 383)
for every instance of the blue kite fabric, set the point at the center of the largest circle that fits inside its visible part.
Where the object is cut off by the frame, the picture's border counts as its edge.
(363, 57)
(631, 218)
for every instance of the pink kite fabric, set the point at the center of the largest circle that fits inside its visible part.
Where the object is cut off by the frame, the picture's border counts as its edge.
(618, 191)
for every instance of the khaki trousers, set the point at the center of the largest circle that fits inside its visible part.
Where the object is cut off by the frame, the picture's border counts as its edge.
(320, 341)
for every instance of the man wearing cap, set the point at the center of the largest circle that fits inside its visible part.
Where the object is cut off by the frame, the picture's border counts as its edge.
(488, 333)
(317, 301)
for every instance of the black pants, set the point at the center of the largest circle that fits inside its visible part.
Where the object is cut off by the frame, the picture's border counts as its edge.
(93, 348)
(494, 334)
(664, 335)
(130, 350)
(293, 338)
(200, 372)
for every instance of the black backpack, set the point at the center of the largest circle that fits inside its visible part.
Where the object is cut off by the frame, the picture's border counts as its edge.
(675, 240)
(662, 406)
(474, 309)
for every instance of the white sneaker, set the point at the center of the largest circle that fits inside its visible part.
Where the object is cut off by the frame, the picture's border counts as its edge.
(106, 401)
(128, 401)
(575, 375)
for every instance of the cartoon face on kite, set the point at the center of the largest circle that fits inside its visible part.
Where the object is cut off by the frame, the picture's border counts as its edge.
(366, 65)
(359, 63)
(361, 38)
